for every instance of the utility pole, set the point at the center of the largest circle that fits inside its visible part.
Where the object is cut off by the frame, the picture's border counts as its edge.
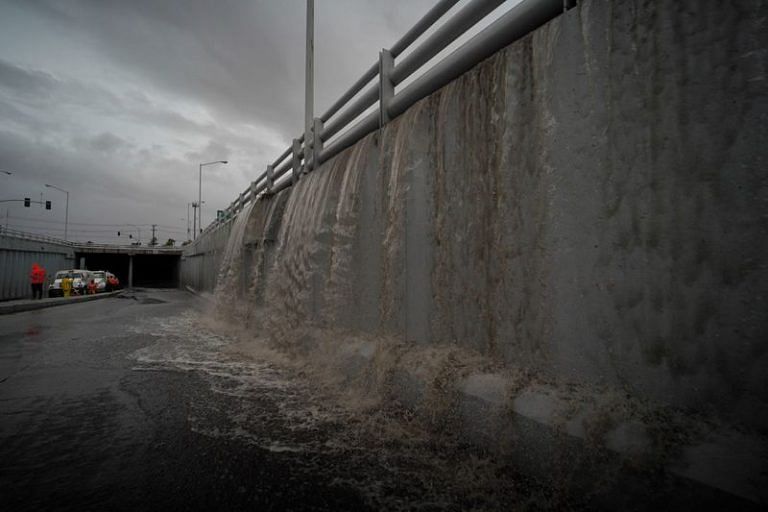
(154, 240)
(194, 219)
(309, 73)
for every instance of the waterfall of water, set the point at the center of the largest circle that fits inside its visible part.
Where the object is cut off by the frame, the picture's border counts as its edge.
(229, 284)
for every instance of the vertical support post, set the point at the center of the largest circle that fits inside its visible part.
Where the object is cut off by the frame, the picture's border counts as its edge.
(309, 74)
(130, 271)
(296, 160)
(317, 142)
(81, 265)
(270, 178)
(194, 220)
(200, 198)
(242, 201)
(386, 87)
(253, 191)
(179, 273)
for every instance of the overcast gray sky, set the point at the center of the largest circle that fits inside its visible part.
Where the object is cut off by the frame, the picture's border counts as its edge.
(118, 101)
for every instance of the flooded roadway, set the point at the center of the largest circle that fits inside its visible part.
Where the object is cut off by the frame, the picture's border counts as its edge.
(131, 403)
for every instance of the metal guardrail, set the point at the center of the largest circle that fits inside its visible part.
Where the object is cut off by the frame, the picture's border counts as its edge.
(339, 120)
(25, 235)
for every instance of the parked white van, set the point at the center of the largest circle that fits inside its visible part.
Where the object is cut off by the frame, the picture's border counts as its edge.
(79, 282)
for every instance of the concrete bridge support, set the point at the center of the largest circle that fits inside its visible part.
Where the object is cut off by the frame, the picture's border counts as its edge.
(130, 271)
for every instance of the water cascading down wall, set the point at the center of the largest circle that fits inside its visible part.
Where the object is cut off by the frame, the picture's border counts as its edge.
(588, 204)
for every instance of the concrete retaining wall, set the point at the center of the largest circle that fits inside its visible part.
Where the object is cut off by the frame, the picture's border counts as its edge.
(577, 225)
(200, 260)
(16, 258)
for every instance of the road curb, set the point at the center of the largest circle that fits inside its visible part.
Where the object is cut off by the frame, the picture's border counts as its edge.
(7, 309)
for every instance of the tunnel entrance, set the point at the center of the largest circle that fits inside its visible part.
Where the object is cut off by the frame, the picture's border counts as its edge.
(156, 271)
(149, 270)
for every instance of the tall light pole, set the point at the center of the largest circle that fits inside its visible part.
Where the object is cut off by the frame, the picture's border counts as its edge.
(66, 211)
(188, 227)
(200, 190)
(309, 74)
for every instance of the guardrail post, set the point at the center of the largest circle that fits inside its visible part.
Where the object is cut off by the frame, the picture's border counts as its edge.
(386, 87)
(253, 191)
(270, 178)
(296, 160)
(242, 201)
(317, 142)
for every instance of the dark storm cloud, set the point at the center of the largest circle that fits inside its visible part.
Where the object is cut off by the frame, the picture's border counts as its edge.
(119, 101)
(244, 58)
(107, 143)
(24, 81)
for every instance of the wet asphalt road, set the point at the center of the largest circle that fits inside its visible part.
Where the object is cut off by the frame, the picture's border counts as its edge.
(84, 427)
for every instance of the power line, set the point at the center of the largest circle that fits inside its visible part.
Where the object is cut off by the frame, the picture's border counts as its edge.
(82, 230)
(91, 223)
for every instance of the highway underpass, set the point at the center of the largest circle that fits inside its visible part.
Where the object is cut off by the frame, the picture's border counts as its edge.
(147, 267)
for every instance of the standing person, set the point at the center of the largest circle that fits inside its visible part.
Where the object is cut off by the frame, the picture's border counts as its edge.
(92, 287)
(37, 278)
(66, 285)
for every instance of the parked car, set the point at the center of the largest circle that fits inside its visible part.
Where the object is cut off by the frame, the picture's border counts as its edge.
(105, 280)
(100, 278)
(79, 282)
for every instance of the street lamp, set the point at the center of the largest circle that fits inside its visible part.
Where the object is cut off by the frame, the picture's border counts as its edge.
(66, 211)
(200, 190)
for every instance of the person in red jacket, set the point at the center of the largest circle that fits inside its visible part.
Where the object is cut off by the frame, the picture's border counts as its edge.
(37, 278)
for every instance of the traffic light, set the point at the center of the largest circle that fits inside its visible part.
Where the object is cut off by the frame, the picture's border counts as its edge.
(130, 236)
(47, 205)
(118, 233)
(26, 202)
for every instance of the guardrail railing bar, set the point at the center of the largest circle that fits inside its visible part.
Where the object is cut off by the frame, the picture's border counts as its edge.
(351, 92)
(368, 98)
(280, 171)
(443, 36)
(516, 23)
(367, 125)
(285, 154)
(421, 26)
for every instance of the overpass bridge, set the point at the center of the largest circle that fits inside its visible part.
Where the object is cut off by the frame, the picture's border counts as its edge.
(134, 265)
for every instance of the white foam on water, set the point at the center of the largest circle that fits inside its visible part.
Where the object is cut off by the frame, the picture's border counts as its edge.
(267, 394)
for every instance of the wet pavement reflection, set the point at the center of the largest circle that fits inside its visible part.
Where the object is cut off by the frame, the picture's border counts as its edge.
(128, 404)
